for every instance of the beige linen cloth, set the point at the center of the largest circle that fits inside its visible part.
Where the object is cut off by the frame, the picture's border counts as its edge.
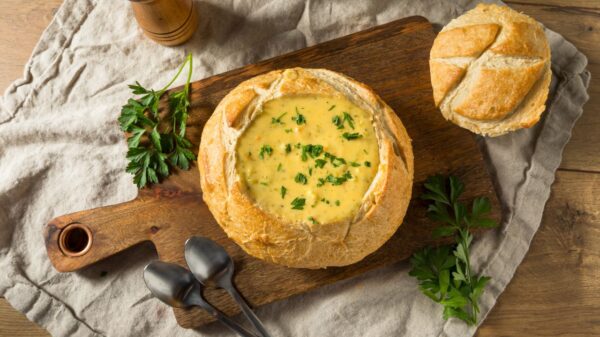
(61, 151)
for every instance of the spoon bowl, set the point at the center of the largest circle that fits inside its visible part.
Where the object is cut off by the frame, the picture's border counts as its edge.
(172, 284)
(177, 287)
(211, 265)
(208, 261)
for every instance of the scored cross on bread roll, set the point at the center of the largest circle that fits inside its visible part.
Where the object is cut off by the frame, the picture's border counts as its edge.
(490, 70)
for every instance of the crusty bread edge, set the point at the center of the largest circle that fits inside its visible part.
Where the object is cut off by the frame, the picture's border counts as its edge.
(267, 237)
(529, 111)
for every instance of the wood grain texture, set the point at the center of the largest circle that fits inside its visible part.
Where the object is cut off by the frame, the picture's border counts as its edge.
(438, 146)
(582, 28)
(15, 324)
(511, 316)
(555, 290)
(21, 24)
(578, 4)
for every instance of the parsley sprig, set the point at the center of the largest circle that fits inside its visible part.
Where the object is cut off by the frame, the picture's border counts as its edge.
(156, 148)
(444, 273)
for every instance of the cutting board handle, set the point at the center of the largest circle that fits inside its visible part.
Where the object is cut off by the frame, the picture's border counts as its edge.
(79, 239)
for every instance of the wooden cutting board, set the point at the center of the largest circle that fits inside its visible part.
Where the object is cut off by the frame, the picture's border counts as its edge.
(393, 60)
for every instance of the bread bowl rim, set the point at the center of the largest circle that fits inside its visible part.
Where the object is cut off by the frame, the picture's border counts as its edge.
(273, 239)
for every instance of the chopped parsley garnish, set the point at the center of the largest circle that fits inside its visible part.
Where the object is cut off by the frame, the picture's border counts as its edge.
(278, 119)
(331, 108)
(301, 179)
(298, 203)
(351, 136)
(354, 164)
(313, 220)
(299, 118)
(368, 164)
(339, 180)
(283, 191)
(338, 122)
(321, 182)
(319, 163)
(312, 150)
(279, 167)
(325, 201)
(264, 183)
(335, 161)
(348, 118)
(337, 202)
(288, 130)
(265, 149)
(310, 171)
(288, 148)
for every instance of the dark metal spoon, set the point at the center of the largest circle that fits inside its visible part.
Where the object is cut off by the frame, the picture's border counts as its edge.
(211, 265)
(177, 287)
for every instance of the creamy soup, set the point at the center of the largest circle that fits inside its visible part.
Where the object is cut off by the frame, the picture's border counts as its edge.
(308, 158)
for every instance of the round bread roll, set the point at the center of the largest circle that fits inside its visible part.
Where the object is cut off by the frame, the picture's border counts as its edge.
(306, 168)
(490, 70)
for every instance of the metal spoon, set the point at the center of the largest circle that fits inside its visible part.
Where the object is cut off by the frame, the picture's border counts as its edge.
(177, 287)
(211, 265)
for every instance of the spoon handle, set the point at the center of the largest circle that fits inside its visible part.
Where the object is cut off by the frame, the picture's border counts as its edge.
(197, 300)
(247, 311)
(221, 317)
(231, 324)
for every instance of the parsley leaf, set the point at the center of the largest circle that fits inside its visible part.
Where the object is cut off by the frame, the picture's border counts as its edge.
(265, 149)
(154, 151)
(337, 121)
(283, 191)
(298, 203)
(349, 119)
(351, 136)
(278, 119)
(299, 118)
(335, 161)
(338, 180)
(312, 150)
(444, 273)
(301, 179)
(321, 182)
(320, 163)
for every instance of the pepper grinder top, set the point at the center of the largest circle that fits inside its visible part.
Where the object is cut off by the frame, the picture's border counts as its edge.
(168, 22)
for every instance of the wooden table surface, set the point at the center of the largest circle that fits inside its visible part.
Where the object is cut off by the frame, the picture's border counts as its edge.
(556, 290)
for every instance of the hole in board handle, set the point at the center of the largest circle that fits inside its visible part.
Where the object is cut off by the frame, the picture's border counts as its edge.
(75, 240)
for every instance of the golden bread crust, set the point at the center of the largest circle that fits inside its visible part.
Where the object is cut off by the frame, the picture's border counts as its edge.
(446, 76)
(491, 80)
(304, 245)
(474, 40)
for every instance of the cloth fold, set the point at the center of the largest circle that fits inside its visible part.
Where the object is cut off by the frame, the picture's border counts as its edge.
(61, 151)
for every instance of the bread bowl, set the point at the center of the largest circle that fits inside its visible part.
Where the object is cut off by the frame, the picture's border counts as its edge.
(490, 70)
(306, 168)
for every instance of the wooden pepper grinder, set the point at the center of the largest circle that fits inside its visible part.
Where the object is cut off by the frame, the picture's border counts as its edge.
(168, 22)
